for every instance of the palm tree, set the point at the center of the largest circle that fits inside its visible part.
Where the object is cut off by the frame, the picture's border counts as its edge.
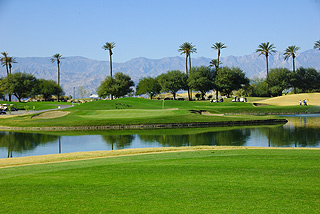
(291, 52)
(56, 58)
(218, 46)
(7, 61)
(317, 45)
(108, 46)
(266, 49)
(4, 61)
(10, 61)
(187, 48)
(215, 63)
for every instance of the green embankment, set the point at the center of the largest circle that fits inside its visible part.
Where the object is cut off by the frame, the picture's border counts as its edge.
(212, 181)
(135, 111)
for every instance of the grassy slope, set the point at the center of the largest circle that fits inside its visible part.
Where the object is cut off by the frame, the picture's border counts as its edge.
(216, 181)
(293, 99)
(144, 111)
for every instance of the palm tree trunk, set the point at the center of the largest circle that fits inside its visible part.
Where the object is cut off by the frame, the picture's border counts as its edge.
(294, 88)
(111, 70)
(189, 70)
(293, 64)
(217, 92)
(58, 78)
(267, 75)
(8, 73)
(110, 66)
(218, 60)
(187, 76)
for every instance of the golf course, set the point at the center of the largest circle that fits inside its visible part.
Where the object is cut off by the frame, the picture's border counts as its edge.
(196, 179)
(146, 113)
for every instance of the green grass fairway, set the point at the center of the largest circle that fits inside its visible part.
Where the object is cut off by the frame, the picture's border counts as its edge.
(211, 181)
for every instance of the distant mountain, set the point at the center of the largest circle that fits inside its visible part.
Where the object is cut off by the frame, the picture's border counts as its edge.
(80, 71)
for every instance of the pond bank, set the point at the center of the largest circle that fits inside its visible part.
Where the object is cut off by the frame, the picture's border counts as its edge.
(148, 126)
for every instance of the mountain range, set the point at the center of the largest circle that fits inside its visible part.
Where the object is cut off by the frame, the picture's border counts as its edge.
(81, 71)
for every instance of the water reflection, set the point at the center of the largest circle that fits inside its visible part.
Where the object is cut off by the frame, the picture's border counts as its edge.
(21, 142)
(298, 132)
(120, 141)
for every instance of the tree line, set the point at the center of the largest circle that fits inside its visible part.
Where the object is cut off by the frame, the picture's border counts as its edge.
(24, 85)
(202, 79)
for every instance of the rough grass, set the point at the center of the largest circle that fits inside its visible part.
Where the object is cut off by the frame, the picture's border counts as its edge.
(202, 181)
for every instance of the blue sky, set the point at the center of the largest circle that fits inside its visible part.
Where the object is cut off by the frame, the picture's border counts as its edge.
(153, 28)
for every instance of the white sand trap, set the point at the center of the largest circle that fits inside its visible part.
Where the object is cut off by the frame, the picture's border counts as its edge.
(51, 114)
(293, 99)
(210, 114)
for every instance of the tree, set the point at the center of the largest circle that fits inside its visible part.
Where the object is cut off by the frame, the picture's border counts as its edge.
(109, 46)
(187, 48)
(2, 89)
(259, 86)
(201, 79)
(20, 85)
(148, 85)
(4, 61)
(7, 61)
(217, 46)
(279, 80)
(306, 79)
(10, 61)
(82, 91)
(215, 63)
(57, 58)
(291, 51)
(266, 49)
(118, 86)
(317, 45)
(172, 82)
(230, 79)
(47, 88)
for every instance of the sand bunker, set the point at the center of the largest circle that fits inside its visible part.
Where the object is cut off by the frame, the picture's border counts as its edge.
(210, 114)
(51, 114)
(293, 99)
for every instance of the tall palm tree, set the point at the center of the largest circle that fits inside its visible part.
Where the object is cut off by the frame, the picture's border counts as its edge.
(291, 51)
(266, 49)
(218, 46)
(109, 46)
(7, 61)
(187, 48)
(57, 58)
(317, 45)
(4, 61)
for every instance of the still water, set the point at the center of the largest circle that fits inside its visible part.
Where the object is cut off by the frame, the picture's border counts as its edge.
(300, 131)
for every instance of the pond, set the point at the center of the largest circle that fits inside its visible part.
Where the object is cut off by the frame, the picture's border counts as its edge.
(300, 131)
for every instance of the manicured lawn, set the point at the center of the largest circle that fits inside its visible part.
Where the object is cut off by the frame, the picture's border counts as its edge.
(214, 181)
(128, 111)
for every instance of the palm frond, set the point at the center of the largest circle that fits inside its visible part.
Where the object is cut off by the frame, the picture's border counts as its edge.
(266, 48)
(317, 45)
